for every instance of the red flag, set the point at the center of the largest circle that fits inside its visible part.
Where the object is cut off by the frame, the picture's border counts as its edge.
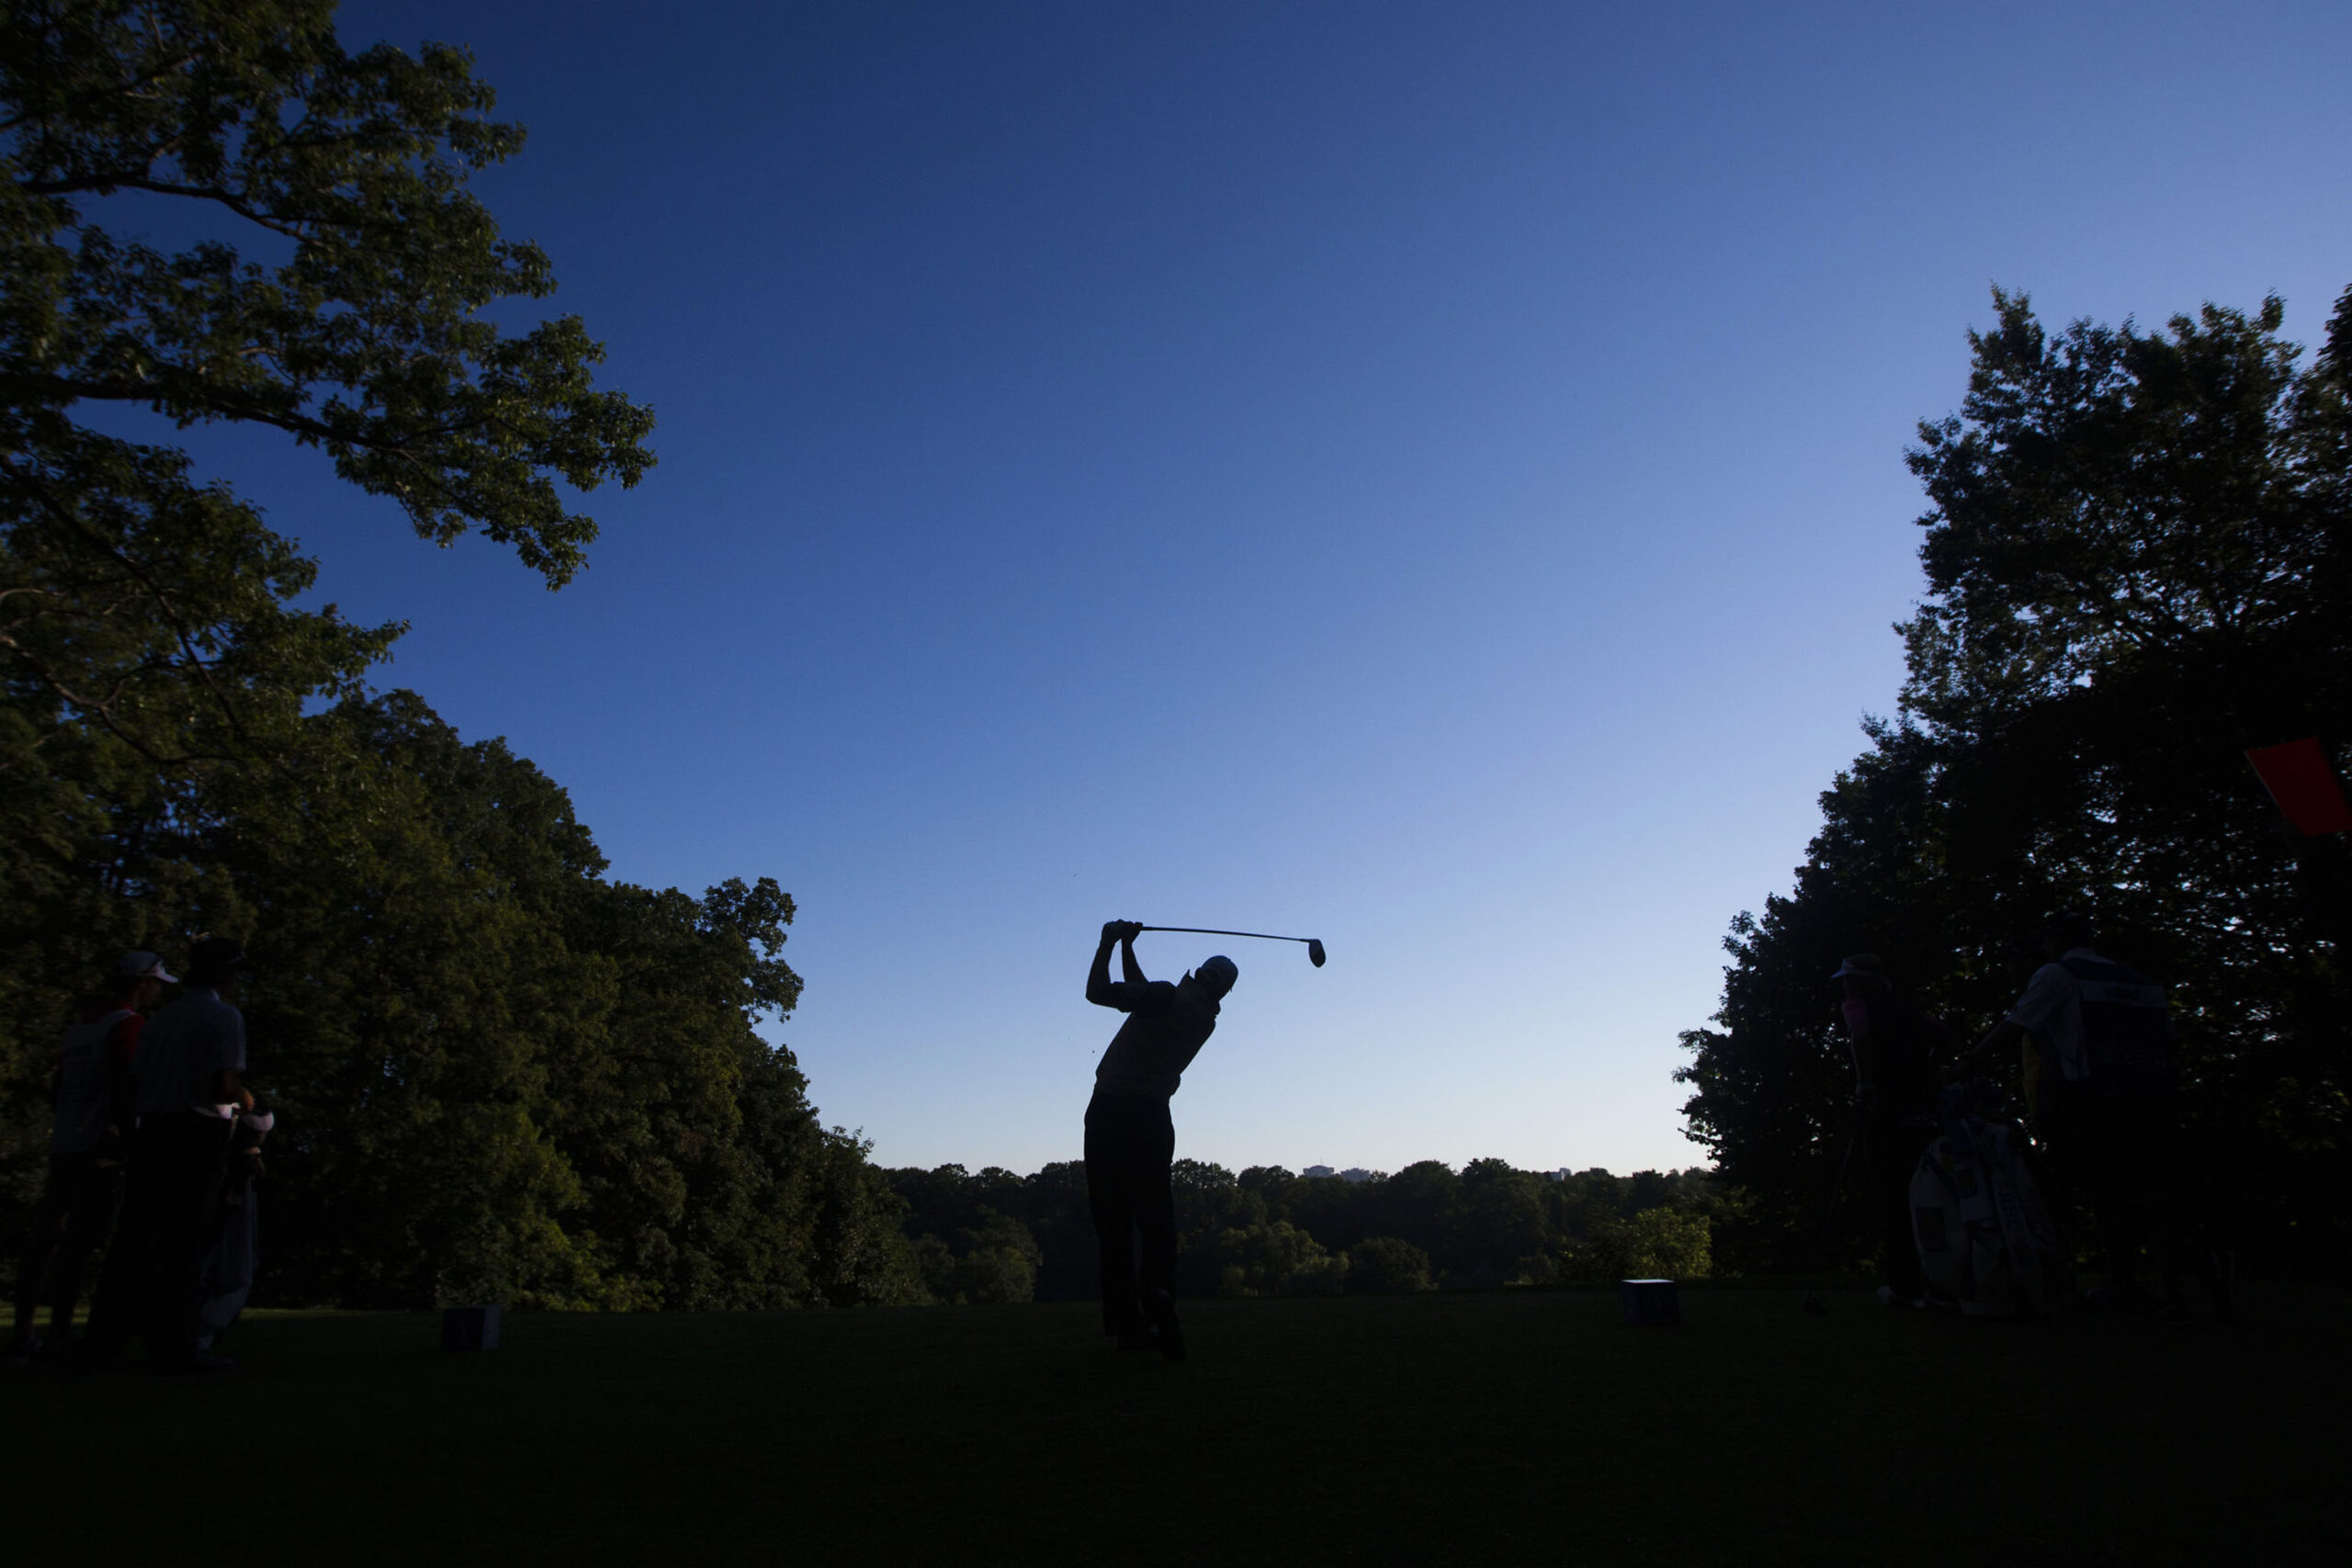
(2299, 779)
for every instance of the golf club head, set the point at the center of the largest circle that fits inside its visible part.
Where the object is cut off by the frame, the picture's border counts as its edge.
(1315, 952)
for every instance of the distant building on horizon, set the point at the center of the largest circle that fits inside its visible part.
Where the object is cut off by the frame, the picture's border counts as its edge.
(1354, 1173)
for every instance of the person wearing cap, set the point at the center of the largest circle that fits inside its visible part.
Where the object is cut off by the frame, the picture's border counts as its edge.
(92, 1088)
(1130, 1138)
(1895, 1048)
(2099, 1071)
(187, 1101)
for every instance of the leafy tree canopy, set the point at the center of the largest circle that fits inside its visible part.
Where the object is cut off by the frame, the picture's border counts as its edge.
(366, 330)
(2136, 559)
(1269, 1233)
(503, 1076)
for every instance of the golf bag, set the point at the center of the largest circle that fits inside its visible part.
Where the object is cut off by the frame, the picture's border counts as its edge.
(227, 1273)
(1984, 1239)
(226, 1277)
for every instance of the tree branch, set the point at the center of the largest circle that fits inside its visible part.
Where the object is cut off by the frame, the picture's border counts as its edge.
(120, 179)
(33, 486)
(22, 387)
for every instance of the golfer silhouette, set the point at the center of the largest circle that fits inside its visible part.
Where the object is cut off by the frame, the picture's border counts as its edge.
(1130, 1140)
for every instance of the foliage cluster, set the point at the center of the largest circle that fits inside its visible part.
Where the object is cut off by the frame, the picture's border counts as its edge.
(1270, 1232)
(2136, 559)
(501, 1074)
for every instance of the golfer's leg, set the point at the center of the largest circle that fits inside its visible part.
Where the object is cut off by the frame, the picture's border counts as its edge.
(1109, 1201)
(1156, 1212)
(2155, 1132)
(2108, 1185)
(127, 1277)
(41, 1240)
(1894, 1157)
(95, 1203)
(200, 1144)
(2058, 1137)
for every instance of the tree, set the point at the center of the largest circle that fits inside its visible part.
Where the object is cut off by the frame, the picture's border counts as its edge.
(1209, 1201)
(1500, 1230)
(1270, 1232)
(998, 1263)
(1669, 1243)
(1277, 1260)
(1383, 1265)
(372, 338)
(501, 1074)
(1420, 1203)
(1053, 1204)
(2135, 559)
(149, 645)
(504, 1075)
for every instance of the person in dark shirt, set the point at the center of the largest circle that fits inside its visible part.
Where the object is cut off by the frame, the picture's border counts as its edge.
(189, 1097)
(92, 1085)
(1130, 1139)
(1896, 1047)
(2100, 1068)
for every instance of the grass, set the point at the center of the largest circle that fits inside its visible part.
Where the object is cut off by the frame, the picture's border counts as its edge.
(1431, 1428)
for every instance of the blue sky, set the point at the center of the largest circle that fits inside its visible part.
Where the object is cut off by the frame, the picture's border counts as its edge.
(1427, 476)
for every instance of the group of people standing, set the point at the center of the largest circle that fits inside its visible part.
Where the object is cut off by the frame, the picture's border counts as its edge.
(2095, 1044)
(156, 1143)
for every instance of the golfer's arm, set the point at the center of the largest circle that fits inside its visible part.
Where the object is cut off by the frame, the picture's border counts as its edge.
(1098, 979)
(1127, 964)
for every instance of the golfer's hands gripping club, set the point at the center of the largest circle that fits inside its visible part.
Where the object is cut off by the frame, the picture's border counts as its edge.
(1121, 932)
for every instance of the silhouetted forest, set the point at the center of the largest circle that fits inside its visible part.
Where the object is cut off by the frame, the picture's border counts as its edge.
(498, 1074)
(2138, 565)
(991, 1236)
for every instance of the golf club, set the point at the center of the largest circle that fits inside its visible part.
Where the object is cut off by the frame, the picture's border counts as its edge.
(1314, 944)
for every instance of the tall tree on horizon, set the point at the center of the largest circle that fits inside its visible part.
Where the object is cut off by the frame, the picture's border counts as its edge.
(503, 1074)
(2135, 562)
(335, 282)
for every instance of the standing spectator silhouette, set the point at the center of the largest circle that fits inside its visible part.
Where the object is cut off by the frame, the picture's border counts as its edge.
(2098, 1080)
(1896, 1048)
(187, 1101)
(1130, 1139)
(93, 1088)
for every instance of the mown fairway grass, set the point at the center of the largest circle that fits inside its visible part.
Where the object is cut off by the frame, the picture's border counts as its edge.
(1520, 1427)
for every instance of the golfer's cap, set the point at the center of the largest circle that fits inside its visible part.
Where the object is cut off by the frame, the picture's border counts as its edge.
(217, 956)
(144, 965)
(1222, 967)
(2070, 926)
(1861, 966)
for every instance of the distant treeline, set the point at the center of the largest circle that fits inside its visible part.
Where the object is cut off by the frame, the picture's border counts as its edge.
(2138, 565)
(991, 1236)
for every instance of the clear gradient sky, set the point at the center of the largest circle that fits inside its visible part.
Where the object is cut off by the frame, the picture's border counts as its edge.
(1425, 476)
